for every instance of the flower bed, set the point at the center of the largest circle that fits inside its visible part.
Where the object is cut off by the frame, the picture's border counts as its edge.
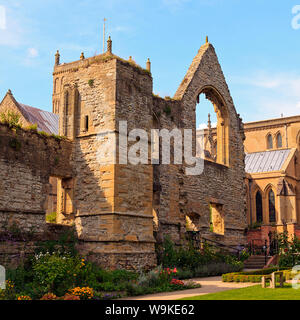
(61, 276)
(192, 262)
(57, 272)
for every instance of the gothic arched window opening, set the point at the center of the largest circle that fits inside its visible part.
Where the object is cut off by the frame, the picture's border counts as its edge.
(279, 140)
(269, 142)
(216, 134)
(272, 212)
(259, 210)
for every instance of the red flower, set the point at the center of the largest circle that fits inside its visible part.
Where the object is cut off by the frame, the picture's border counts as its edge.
(177, 282)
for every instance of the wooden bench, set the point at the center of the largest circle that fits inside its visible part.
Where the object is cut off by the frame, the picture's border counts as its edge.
(272, 279)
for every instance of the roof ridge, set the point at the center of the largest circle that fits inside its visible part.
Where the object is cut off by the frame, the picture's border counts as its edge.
(28, 106)
(282, 149)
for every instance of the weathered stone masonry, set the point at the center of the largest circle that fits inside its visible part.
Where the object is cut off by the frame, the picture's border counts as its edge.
(27, 160)
(117, 208)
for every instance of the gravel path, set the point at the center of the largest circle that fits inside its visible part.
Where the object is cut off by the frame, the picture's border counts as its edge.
(208, 285)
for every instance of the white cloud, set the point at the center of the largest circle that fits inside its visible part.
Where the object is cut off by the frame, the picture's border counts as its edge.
(120, 29)
(11, 36)
(270, 93)
(32, 53)
(12, 25)
(282, 82)
(204, 126)
(2, 18)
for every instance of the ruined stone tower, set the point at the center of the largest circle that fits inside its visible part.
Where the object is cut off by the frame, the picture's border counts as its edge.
(112, 203)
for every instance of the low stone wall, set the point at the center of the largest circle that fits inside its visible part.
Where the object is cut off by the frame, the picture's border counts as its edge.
(16, 246)
(120, 255)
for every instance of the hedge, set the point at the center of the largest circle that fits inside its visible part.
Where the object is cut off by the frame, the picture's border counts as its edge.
(251, 276)
(237, 277)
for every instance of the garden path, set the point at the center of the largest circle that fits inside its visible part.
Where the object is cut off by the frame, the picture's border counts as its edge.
(208, 285)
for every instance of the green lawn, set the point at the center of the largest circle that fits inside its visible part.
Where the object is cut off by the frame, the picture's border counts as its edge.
(253, 293)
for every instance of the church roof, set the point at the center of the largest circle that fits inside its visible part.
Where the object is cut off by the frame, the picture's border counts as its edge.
(266, 161)
(46, 121)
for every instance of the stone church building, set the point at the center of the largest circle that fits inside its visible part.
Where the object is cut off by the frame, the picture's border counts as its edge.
(272, 176)
(121, 210)
(273, 173)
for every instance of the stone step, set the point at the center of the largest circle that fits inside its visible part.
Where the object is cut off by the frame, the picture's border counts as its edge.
(254, 266)
(255, 262)
(256, 259)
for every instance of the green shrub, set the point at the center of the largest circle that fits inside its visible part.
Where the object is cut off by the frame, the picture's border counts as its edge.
(55, 273)
(11, 118)
(290, 274)
(238, 277)
(244, 255)
(206, 262)
(255, 225)
(9, 293)
(289, 250)
(44, 134)
(66, 244)
(115, 276)
(185, 274)
(56, 137)
(51, 217)
(32, 127)
(14, 143)
(167, 110)
(251, 276)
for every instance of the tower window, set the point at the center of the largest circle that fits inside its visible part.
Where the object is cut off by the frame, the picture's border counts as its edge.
(86, 123)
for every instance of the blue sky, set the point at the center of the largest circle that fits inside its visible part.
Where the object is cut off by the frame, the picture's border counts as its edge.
(257, 47)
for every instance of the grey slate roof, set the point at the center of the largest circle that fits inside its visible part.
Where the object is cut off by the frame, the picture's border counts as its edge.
(266, 161)
(46, 121)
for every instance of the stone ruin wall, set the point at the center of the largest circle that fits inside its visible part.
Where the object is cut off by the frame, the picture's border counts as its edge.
(27, 160)
(177, 195)
(113, 205)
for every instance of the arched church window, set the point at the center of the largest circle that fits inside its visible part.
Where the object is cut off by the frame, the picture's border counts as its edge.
(269, 142)
(216, 135)
(279, 140)
(272, 213)
(259, 210)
